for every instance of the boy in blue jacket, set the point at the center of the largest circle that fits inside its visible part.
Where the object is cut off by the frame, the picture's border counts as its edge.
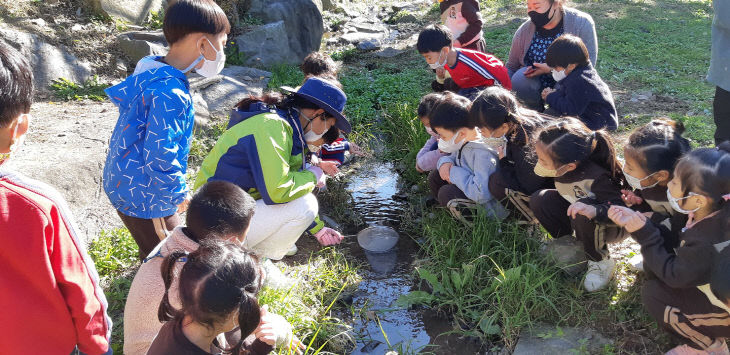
(144, 174)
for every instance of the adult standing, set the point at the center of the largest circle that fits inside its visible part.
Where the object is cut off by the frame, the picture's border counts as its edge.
(719, 73)
(262, 152)
(549, 19)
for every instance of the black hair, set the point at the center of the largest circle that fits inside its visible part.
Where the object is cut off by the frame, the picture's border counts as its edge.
(565, 50)
(720, 275)
(184, 17)
(331, 135)
(496, 106)
(219, 209)
(279, 101)
(318, 64)
(427, 103)
(658, 145)
(451, 113)
(706, 171)
(16, 84)
(433, 38)
(218, 279)
(570, 141)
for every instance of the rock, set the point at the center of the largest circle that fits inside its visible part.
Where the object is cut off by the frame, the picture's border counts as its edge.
(202, 115)
(328, 5)
(369, 45)
(389, 52)
(566, 253)
(303, 24)
(406, 18)
(552, 340)
(343, 342)
(49, 62)
(357, 37)
(134, 11)
(139, 44)
(121, 68)
(222, 96)
(264, 46)
(77, 28)
(38, 22)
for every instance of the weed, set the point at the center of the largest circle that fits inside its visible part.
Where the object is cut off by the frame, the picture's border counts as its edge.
(155, 20)
(92, 89)
(285, 75)
(233, 55)
(345, 54)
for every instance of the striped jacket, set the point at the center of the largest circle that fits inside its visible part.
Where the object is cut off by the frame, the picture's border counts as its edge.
(476, 69)
(144, 174)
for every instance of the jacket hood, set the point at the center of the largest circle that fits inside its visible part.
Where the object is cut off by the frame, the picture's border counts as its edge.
(124, 93)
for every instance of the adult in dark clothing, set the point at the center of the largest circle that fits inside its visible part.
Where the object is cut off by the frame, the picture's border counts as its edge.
(719, 73)
(580, 91)
(462, 17)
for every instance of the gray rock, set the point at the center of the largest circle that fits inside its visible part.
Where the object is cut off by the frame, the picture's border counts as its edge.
(357, 37)
(329, 5)
(303, 24)
(121, 68)
(221, 97)
(552, 340)
(264, 46)
(389, 52)
(566, 253)
(139, 44)
(49, 62)
(202, 115)
(369, 45)
(38, 22)
(407, 18)
(134, 11)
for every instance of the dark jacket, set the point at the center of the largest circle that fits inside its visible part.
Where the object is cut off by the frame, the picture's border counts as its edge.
(518, 164)
(171, 340)
(593, 185)
(664, 217)
(584, 95)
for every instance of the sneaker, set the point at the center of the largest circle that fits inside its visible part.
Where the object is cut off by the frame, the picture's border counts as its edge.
(636, 263)
(293, 250)
(599, 274)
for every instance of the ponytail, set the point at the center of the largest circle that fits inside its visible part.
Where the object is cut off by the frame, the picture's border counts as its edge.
(604, 154)
(496, 106)
(249, 315)
(166, 311)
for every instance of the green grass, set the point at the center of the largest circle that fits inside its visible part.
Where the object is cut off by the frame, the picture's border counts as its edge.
(92, 89)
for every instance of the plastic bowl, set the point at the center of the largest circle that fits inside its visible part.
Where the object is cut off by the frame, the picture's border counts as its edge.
(377, 239)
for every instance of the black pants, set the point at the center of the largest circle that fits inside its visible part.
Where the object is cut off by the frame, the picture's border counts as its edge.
(442, 189)
(721, 111)
(685, 312)
(551, 210)
(149, 232)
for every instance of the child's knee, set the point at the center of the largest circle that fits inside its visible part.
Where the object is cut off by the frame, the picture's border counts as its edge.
(497, 186)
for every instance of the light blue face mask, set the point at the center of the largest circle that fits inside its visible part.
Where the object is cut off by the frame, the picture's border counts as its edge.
(674, 202)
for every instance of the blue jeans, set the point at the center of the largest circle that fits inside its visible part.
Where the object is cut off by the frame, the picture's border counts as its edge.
(527, 89)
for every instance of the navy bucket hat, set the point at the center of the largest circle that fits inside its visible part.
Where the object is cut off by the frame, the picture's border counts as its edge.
(328, 97)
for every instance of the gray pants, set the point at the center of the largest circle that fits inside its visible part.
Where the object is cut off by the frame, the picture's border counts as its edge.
(527, 89)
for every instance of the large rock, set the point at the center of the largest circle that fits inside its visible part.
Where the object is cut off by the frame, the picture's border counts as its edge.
(235, 84)
(264, 46)
(552, 340)
(139, 44)
(134, 11)
(49, 62)
(302, 23)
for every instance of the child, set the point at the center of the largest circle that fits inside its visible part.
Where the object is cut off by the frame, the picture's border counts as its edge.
(51, 300)
(588, 181)
(701, 188)
(462, 17)
(507, 128)
(650, 155)
(464, 173)
(472, 71)
(144, 174)
(429, 155)
(319, 64)
(218, 288)
(580, 91)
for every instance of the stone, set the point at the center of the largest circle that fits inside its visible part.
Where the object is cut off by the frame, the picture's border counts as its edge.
(551, 340)
(566, 253)
(38, 22)
(357, 37)
(134, 11)
(329, 5)
(389, 52)
(303, 24)
(264, 47)
(49, 62)
(202, 115)
(139, 44)
(77, 28)
(222, 96)
(369, 44)
(121, 68)
(406, 18)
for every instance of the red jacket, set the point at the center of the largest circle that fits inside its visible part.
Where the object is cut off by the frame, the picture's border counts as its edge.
(50, 301)
(474, 69)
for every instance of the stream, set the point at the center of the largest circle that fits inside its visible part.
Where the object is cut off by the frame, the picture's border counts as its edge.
(386, 276)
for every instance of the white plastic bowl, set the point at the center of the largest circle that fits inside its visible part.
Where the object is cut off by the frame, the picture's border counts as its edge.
(377, 239)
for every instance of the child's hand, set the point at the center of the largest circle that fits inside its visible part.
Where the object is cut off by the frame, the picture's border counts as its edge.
(183, 206)
(328, 236)
(444, 172)
(539, 69)
(265, 331)
(441, 73)
(329, 167)
(630, 198)
(546, 92)
(627, 218)
(580, 208)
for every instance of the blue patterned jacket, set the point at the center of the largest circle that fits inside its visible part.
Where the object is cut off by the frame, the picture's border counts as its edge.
(144, 175)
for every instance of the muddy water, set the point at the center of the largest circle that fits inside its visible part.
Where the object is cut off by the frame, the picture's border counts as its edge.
(387, 276)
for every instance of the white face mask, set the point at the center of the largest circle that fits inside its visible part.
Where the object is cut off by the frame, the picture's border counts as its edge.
(15, 146)
(451, 145)
(674, 202)
(210, 68)
(438, 64)
(310, 136)
(558, 75)
(635, 182)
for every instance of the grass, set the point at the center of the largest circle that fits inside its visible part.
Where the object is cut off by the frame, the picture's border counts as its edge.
(91, 89)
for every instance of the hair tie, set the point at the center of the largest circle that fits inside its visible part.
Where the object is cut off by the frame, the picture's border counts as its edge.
(726, 197)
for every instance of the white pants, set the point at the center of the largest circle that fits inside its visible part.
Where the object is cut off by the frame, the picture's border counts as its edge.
(275, 228)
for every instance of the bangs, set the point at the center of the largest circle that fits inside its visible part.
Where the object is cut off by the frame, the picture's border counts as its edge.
(184, 17)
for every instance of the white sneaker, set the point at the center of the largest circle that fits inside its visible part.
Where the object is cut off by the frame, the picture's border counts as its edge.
(293, 250)
(636, 263)
(599, 274)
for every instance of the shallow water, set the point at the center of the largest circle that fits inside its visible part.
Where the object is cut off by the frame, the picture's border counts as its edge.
(387, 276)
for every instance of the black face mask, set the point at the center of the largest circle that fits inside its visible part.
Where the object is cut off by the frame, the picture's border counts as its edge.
(541, 19)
